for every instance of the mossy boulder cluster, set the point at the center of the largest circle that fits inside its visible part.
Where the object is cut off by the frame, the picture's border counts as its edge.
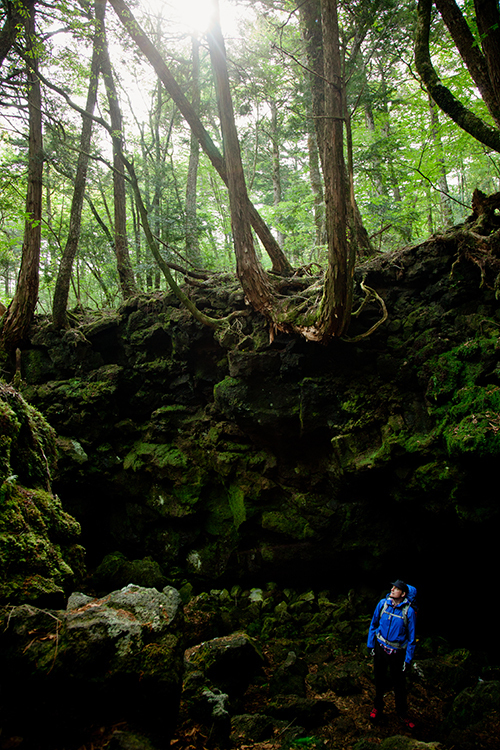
(40, 554)
(288, 668)
(225, 457)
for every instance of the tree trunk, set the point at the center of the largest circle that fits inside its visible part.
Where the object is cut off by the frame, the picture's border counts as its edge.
(280, 263)
(444, 200)
(317, 188)
(276, 165)
(61, 291)
(192, 244)
(16, 13)
(477, 63)
(124, 266)
(310, 16)
(250, 273)
(16, 321)
(443, 97)
(313, 31)
(335, 309)
(488, 24)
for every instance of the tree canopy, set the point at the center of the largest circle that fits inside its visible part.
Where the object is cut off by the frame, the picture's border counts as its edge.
(137, 152)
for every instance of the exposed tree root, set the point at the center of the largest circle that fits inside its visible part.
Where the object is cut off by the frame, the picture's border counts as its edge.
(369, 294)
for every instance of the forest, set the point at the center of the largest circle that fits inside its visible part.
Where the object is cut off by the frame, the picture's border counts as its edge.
(249, 339)
(153, 143)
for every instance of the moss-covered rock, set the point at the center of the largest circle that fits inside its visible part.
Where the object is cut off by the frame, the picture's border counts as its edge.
(40, 557)
(232, 456)
(119, 657)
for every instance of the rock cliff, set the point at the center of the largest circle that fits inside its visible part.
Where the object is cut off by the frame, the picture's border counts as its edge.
(229, 457)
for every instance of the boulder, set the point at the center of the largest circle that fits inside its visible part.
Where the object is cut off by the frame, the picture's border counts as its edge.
(473, 704)
(228, 663)
(117, 658)
(343, 679)
(400, 742)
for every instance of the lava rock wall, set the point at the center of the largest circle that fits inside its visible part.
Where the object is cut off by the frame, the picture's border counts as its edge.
(227, 457)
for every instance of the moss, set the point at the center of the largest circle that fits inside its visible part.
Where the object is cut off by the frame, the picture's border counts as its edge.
(230, 392)
(177, 501)
(115, 572)
(289, 523)
(154, 456)
(38, 553)
(160, 661)
(84, 392)
(237, 505)
(432, 485)
(220, 517)
(459, 367)
(225, 461)
(27, 442)
(472, 423)
(476, 433)
(210, 559)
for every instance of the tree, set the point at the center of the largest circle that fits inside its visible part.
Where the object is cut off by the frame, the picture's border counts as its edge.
(61, 291)
(14, 18)
(192, 244)
(313, 30)
(332, 316)
(250, 273)
(16, 321)
(335, 308)
(444, 199)
(280, 263)
(124, 266)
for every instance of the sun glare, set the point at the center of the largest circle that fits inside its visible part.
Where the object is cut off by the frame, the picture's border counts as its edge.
(194, 16)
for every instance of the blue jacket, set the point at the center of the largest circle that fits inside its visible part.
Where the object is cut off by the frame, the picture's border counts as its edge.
(390, 626)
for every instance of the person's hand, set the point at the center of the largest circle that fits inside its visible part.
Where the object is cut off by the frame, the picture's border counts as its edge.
(371, 652)
(406, 665)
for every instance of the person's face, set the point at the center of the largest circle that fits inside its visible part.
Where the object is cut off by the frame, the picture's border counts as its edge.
(396, 594)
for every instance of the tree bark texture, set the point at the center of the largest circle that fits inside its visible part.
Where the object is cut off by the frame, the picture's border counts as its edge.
(313, 31)
(316, 187)
(443, 97)
(61, 292)
(17, 319)
(15, 15)
(488, 24)
(250, 273)
(280, 263)
(310, 16)
(123, 264)
(335, 308)
(475, 59)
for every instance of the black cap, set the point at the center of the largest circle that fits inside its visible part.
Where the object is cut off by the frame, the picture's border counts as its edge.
(399, 584)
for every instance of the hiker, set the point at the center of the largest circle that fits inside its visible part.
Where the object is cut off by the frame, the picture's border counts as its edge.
(391, 640)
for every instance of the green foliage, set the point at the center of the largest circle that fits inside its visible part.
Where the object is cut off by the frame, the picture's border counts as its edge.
(398, 162)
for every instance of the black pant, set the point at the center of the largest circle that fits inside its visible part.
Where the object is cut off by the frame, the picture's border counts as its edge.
(392, 663)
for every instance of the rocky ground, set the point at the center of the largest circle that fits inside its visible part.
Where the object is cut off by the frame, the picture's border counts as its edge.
(264, 669)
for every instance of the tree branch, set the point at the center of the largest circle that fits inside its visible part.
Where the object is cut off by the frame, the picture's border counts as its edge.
(443, 97)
